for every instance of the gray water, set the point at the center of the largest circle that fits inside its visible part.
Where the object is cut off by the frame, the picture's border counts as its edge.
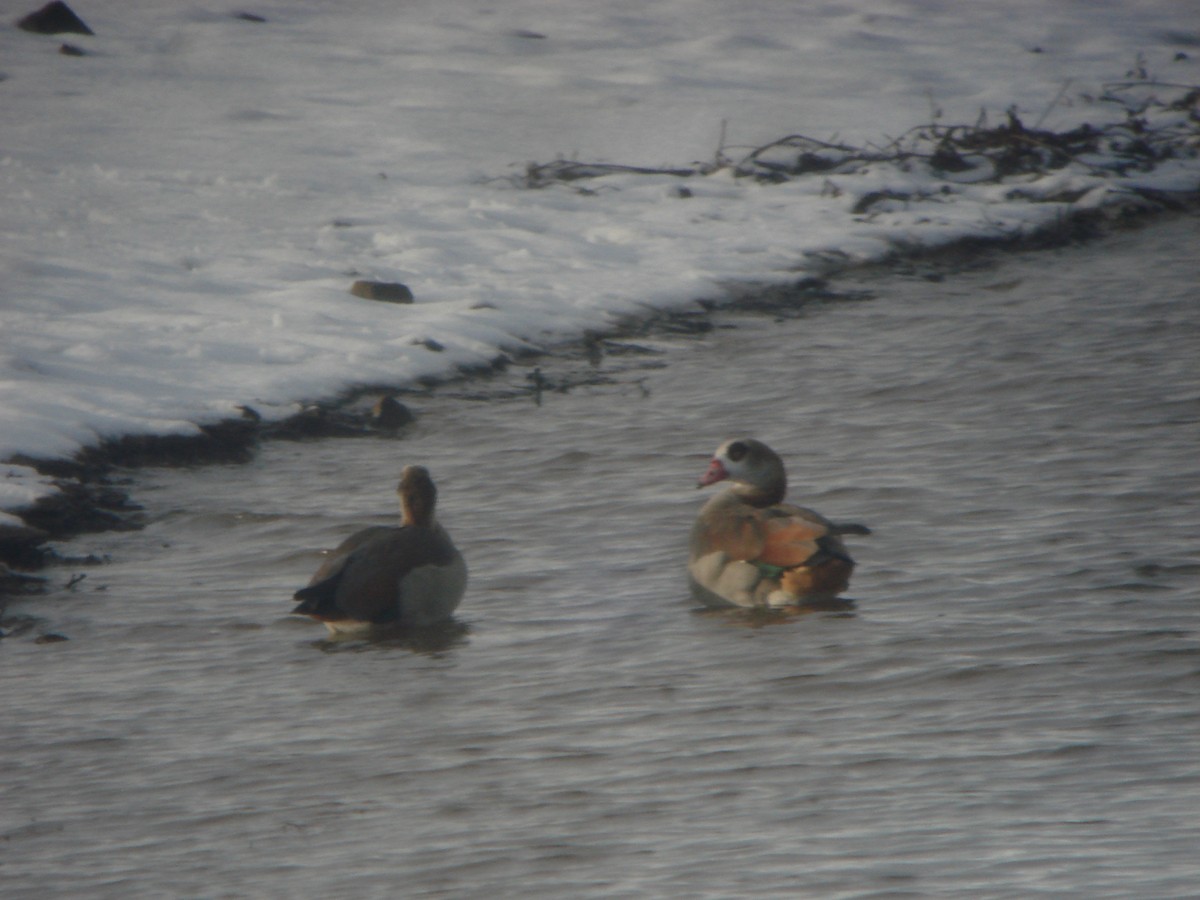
(1011, 709)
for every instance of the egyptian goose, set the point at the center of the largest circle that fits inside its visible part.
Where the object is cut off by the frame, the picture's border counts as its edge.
(749, 548)
(410, 575)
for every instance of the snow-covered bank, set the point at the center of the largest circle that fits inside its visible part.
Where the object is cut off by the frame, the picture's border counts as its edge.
(183, 208)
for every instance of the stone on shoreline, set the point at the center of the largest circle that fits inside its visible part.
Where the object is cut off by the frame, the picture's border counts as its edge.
(390, 413)
(383, 291)
(54, 18)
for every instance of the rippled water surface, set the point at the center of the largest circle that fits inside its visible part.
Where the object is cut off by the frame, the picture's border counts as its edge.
(1011, 709)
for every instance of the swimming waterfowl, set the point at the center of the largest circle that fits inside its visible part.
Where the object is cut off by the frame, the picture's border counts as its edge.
(750, 548)
(410, 575)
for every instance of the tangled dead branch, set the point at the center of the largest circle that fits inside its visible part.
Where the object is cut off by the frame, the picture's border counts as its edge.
(1152, 121)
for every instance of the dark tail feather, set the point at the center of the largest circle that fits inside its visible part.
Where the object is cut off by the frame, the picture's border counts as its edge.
(851, 529)
(317, 600)
(828, 550)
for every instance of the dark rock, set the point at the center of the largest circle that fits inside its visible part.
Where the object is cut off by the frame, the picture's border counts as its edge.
(431, 344)
(249, 17)
(383, 291)
(868, 200)
(54, 18)
(388, 412)
(51, 638)
(71, 50)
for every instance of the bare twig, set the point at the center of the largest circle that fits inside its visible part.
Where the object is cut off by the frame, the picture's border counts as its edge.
(1009, 148)
(1053, 103)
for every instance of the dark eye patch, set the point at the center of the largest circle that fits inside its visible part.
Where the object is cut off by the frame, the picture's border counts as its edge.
(737, 450)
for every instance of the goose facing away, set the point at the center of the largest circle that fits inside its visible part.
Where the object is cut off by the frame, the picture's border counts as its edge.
(749, 548)
(406, 575)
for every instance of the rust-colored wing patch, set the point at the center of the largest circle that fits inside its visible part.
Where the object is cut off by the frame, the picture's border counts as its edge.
(829, 578)
(789, 541)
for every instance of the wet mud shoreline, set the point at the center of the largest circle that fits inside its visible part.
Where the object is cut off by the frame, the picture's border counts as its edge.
(93, 486)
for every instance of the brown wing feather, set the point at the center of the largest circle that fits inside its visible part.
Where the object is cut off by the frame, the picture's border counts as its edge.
(737, 536)
(767, 536)
(361, 579)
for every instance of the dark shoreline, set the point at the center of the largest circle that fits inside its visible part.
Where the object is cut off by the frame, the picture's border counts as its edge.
(92, 495)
